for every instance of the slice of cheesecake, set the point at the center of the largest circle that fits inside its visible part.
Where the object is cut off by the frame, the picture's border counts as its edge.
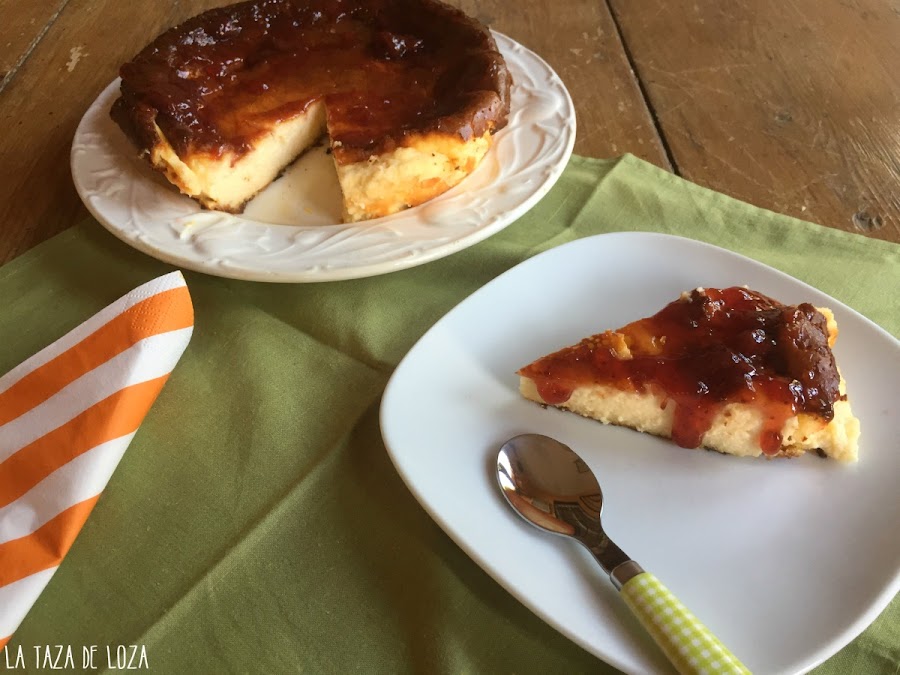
(408, 93)
(725, 369)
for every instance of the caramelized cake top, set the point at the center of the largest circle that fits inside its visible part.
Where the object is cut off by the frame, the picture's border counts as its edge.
(386, 69)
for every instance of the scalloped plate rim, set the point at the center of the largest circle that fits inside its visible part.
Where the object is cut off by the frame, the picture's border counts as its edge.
(498, 220)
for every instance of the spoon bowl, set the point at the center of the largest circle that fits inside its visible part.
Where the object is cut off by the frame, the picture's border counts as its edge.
(552, 488)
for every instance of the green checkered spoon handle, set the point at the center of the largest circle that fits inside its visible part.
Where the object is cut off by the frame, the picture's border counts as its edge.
(553, 489)
(690, 646)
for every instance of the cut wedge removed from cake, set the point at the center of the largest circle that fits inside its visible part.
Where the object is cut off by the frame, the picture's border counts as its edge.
(725, 369)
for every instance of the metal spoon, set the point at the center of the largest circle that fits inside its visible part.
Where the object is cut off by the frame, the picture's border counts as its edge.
(553, 489)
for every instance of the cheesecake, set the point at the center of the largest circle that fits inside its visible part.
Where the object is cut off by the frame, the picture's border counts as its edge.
(730, 370)
(407, 94)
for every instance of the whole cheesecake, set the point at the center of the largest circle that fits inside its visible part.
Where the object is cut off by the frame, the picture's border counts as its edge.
(409, 92)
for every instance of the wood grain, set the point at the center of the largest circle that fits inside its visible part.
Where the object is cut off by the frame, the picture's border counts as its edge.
(24, 24)
(80, 51)
(40, 107)
(583, 47)
(790, 105)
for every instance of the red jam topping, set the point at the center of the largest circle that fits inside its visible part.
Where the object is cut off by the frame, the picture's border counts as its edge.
(704, 351)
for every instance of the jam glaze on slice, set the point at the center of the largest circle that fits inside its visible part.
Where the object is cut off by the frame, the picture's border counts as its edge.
(710, 348)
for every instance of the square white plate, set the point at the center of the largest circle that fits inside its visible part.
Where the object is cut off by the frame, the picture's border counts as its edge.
(786, 561)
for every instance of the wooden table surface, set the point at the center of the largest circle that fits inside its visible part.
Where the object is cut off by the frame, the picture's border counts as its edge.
(792, 105)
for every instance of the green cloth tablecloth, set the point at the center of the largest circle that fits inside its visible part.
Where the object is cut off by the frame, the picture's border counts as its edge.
(256, 523)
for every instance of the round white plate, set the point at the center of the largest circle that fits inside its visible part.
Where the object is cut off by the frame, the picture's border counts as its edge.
(786, 561)
(291, 232)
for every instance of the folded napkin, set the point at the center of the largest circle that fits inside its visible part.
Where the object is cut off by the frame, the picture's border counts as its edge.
(67, 415)
(257, 523)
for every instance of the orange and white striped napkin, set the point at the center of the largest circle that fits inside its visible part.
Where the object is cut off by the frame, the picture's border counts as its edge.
(67, 415)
